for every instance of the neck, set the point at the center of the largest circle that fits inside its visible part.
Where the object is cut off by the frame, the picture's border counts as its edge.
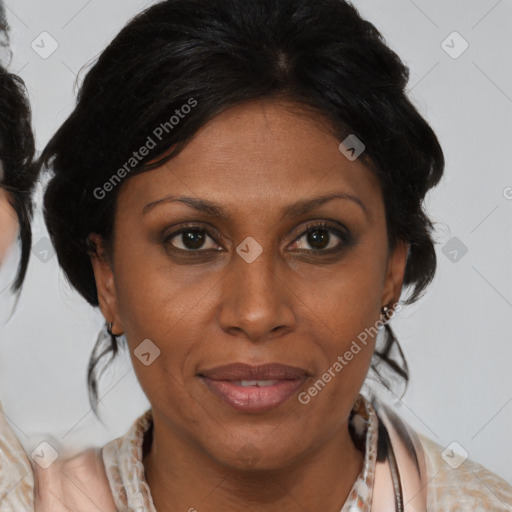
(182, 477)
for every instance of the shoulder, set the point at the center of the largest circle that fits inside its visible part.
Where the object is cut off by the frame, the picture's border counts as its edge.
(16, 476)
(106, 479)
(78, 483)
(452, 483)
(456, 482)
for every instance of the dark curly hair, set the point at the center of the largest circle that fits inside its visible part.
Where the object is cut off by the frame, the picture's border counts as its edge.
(17, 148)
(318, 53)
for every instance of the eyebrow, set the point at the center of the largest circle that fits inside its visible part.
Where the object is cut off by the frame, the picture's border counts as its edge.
(215, 210)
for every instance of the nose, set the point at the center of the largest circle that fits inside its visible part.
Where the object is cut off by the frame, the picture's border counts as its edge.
(257, 300)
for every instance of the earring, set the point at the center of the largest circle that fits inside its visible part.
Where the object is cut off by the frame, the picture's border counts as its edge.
(385, 312)
(109, 328)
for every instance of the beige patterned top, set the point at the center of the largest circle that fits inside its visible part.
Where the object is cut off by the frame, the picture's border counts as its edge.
(113, 478)
(468, 487)
(16, 477)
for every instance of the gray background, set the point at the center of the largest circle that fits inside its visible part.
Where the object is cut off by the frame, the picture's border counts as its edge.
(457, 339)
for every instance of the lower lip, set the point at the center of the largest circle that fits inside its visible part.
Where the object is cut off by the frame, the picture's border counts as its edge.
(254, 398)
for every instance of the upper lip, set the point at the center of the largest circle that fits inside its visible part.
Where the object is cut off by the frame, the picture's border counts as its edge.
(242, 371)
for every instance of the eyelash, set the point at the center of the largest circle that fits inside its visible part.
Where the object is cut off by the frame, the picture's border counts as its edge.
(344, 236)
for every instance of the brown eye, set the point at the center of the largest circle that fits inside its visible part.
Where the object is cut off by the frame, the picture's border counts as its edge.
(190, 239)
(318, 238)
(322, 237)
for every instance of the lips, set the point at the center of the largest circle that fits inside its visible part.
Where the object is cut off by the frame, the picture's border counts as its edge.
(254, 389)
(242, 371)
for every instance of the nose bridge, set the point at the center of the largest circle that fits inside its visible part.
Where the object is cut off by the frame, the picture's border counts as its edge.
(255, 298)
(255, 266)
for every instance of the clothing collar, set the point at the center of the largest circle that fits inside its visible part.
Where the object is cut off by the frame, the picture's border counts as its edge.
(123, 460)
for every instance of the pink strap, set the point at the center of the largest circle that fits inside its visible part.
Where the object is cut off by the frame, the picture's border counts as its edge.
(414, 483)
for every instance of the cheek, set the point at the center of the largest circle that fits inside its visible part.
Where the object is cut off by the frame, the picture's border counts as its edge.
(346, 300)
(150, 293)
(349, 330)
(158, 302)
(149, 311)
(346, 332)
(345, 309)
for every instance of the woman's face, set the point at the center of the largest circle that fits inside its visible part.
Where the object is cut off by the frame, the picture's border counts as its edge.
(247, 286)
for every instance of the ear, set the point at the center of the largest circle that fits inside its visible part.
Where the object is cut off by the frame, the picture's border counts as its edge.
(105, 283)
(395, 273)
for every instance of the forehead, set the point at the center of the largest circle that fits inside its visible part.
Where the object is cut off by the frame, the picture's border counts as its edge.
(257, 155)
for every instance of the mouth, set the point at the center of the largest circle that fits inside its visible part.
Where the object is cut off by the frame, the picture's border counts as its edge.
(254, 389)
